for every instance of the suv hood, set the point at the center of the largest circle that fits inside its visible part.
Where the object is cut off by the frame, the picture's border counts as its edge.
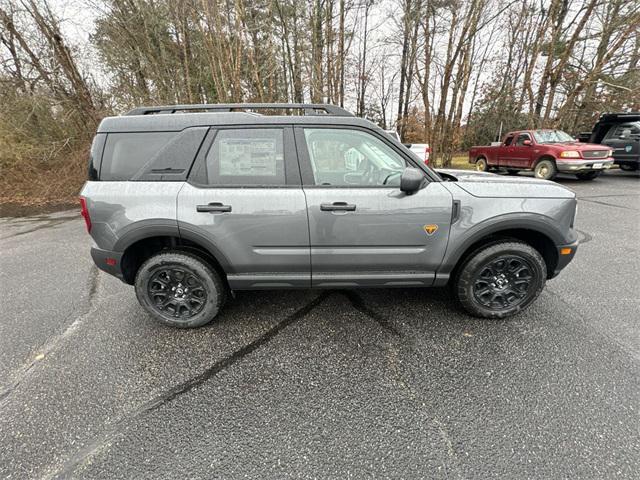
(482, 184)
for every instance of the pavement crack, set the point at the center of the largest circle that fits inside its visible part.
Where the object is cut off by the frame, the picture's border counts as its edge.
(607, 204)
(46, 223)
(356, 302)
(52, 343)
(230, 360)
(610, 195)
(450, 450)
(184, 387)
(586, 237)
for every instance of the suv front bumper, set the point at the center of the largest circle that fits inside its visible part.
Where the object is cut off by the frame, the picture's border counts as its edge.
(565, 255)
(583, 165)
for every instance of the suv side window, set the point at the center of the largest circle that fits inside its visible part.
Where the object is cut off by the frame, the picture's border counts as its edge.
(126, 153)
(253, 156)
(521, 138)
(623, 131)
(346, 157)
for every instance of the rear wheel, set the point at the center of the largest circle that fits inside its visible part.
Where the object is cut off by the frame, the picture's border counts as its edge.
(545, 169)
(588, 175)
(481, 165)
(628, 167)
(500, 280)
(179, 289)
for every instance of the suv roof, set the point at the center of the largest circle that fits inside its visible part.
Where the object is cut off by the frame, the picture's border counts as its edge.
(178, 117)
(307, 108)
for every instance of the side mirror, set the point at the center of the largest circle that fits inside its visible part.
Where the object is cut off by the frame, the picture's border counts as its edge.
(527, 143)
(411, 180)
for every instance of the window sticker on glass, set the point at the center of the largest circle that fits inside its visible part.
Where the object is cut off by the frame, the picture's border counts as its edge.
(248, 156)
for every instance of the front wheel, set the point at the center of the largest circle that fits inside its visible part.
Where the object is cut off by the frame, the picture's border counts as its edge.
(481, 165)
(179, 289)
(545, 170)
(629, 167)
(588, 175)
(500, 280)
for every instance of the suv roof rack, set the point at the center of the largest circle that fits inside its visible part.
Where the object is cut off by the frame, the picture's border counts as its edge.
(307, 108)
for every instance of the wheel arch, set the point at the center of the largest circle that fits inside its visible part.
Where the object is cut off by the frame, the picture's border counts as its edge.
(533, 229)
(143, 243)
(544, 156)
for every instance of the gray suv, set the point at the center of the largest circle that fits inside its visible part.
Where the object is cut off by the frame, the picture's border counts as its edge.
(191, 202)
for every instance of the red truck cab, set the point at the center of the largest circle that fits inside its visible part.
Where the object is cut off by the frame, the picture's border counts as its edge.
(546, 152)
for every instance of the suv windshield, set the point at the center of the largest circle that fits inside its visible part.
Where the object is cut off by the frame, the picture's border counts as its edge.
(552, 136)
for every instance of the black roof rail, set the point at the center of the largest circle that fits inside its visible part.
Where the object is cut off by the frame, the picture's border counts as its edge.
(307, 108)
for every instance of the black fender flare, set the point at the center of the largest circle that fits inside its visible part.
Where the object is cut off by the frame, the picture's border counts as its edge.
(170, 228)
(534, 222)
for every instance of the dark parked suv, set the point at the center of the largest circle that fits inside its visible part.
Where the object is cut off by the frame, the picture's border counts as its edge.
(189, 203)
(620, 132)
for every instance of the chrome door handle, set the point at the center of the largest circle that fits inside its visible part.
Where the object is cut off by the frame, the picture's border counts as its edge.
(215, 207)
(337, 207)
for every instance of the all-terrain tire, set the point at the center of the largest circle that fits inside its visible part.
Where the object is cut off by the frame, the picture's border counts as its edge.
(163, 284)
(476, 274)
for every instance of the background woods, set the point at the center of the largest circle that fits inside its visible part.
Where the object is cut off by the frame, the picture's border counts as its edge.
(446, 72)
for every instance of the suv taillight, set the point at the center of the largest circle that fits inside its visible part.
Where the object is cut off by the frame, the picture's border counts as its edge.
(85, 213)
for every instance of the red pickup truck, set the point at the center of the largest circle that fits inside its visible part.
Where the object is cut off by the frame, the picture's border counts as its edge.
(546, 152)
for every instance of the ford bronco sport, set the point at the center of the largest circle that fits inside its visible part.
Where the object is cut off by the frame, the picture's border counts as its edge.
(189, 203)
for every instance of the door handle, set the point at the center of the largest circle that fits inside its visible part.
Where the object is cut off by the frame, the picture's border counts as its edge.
(215, 207)
(337, 207)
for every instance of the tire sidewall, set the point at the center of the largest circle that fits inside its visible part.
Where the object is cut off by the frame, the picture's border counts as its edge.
(196, 266)
(464, 283)
(552, 169)
(482, 161)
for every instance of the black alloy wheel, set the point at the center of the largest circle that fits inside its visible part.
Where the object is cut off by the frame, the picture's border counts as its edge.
(180, 289)
(176, 291)
(500, 279)
(503, 282)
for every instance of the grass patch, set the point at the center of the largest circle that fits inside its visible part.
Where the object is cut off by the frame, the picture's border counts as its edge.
(461, 162)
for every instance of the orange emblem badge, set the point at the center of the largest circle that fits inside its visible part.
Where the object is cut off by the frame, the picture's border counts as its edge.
(430, 229)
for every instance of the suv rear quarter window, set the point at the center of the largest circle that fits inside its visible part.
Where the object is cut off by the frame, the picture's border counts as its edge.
(625, 130)
(126, 153)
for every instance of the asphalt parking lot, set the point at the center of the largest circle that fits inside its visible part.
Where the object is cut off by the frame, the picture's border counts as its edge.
(311, 384)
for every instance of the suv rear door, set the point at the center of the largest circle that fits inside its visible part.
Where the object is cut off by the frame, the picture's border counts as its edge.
(363, 230)
(245, 201)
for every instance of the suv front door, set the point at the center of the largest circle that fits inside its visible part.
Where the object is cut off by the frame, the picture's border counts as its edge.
(363, 230)
(245, 202)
